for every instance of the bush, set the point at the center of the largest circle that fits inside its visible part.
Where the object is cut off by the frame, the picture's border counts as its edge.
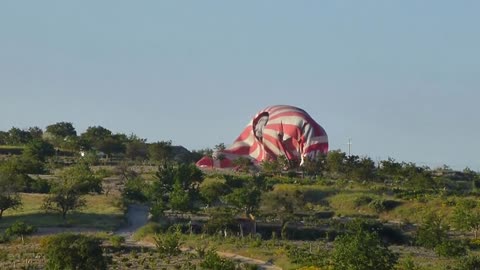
(378, 205)
(214, 262)
(388, 234)
(40, 186)
(135, 190)
(117, 241)
(149, 229)
(20, 228)
(451, 248)
(408, 264)
(375, 203)
(68, 251)
(168, 244)
(432, 232)
(4, 238)
(468, 263)
(220, 219)
(306, 256)
(361, 249)
(362, 200)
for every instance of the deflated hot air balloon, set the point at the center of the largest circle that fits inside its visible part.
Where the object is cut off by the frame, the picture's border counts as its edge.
(276, 131)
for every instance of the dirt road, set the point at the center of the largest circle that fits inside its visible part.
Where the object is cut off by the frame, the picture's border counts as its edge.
(137, 216)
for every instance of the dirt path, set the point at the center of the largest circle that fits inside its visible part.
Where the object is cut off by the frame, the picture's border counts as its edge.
(137, 216)
(232, 256)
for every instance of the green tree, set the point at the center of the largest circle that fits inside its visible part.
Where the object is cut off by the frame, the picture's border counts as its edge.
(136, 148)
(422, 181)
(66, 194)
(160, 151)
(36, 133)
(211, 192)
(245, 196)
(220, 219)
(198, 154)
(62, 130)
(244, 199)
(432, 231)
(242, 164)
(363, 169)
(282, 204)
(63, 200)
(336, 162)
(466, 216)
(39, 149)
(114, 144)
(9, 198)
(314, 166)
(180, 199)
(176, 187)
(360, 249)
(3, 137)
(15, 170)
(218, 151)
(271, 167)
(17, 136)
(93, 137)
(390, 170)
(9, 201)
(68, 251)
(80, 178)
(135, 189)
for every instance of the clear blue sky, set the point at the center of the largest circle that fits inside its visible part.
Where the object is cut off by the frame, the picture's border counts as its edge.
(401, 78)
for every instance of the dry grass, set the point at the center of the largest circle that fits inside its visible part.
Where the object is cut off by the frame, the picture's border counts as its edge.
(101, 212)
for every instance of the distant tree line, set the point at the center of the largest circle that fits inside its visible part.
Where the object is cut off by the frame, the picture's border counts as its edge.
(337, 165)
(62, 137)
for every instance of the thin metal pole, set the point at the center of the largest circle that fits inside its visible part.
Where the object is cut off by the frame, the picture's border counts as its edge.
(349, 146)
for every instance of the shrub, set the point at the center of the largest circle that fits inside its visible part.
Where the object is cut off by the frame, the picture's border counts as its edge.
(388, 234)
(432, 232)
(468, 263)
(117, 241)
(408, 264)
(39, 185)
(361, 249)
(378, 205)
(306, 256)
(362, 200)
(68, 251)
(214, 262)
(135, 190)
(20, 228)
(168, 244)
(148, 229)
(451, 248)
(4, 238)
